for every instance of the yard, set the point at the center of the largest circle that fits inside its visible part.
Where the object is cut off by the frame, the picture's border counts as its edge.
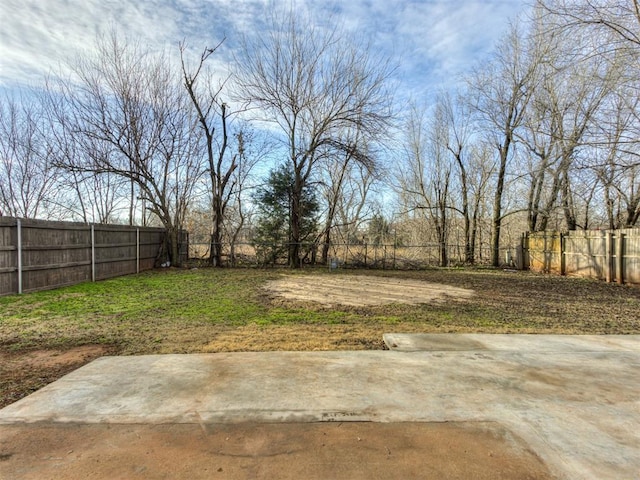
(45, 335)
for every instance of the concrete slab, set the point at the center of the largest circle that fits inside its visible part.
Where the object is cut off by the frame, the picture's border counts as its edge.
(416, 342)
(573, 401)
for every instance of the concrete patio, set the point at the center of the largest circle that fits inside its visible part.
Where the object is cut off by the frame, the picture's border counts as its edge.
(570, 402)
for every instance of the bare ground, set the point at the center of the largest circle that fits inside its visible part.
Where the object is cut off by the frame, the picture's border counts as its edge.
(367, 451)
(363, 290)
(26, 372)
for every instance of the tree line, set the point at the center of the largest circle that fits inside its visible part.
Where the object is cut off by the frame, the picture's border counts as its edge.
(307, 142)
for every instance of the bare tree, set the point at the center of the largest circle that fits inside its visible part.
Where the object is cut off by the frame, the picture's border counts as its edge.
(27, 178)
(606, 33)
(559, 119)
(480, 170)
(213, 117)
(354, 207)
(315, 85)
(96, 197)
(502, 90)
(132, 100)
(332, 187)
(458, 131)
(249, 150)
(426, 176)
(88, 196)
(338, 168)
(619, 18)
(615, 159)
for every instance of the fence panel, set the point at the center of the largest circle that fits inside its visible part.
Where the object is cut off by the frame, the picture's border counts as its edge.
(38, 254)
(588, 254)
(53, 254)
(8, 256)
(115, 251)
(545, 252)
(630, 253)
(610, 255)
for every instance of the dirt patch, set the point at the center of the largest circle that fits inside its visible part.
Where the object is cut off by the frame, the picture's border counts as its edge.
(59, 358)
(26, 372)
(363, 290)
(478, 450)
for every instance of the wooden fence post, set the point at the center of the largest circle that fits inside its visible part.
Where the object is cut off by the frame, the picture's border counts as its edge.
(19, 248)
(608, 261)
(620, 258)
(545, 254)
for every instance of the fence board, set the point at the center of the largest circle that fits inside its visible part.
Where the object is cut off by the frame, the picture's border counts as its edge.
(55, 254)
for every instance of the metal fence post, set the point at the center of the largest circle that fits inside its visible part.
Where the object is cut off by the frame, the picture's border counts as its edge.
(93, 253)
(19, 246)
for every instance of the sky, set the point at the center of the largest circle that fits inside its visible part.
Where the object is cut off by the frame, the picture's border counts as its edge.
(432, 42)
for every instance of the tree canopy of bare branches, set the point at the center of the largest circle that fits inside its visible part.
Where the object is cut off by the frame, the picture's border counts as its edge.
(131, 100)
(27, 178)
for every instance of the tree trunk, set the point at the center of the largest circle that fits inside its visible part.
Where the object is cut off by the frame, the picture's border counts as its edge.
(132, 202)
(174, 248)
(535, 198)
(236, 233)
(474, 235)
(325, 246)
(567, 202)
(442, 231)
(442, 241)
(633, 212)
(468, 247)
(497, 205)
(296, 219)
(327, 233)
(215, 257)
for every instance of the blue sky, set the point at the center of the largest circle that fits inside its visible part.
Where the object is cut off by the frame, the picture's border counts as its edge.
(431, 41)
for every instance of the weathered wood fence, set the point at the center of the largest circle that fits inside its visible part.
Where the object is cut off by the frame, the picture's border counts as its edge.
(610, 255)
(38, 255)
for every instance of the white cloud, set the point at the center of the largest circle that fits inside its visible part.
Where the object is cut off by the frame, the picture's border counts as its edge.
(446, 37)
(433, 40)
(38, 36)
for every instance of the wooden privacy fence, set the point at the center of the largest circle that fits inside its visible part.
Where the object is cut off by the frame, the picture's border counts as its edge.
(611, 255)
(38, 255)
